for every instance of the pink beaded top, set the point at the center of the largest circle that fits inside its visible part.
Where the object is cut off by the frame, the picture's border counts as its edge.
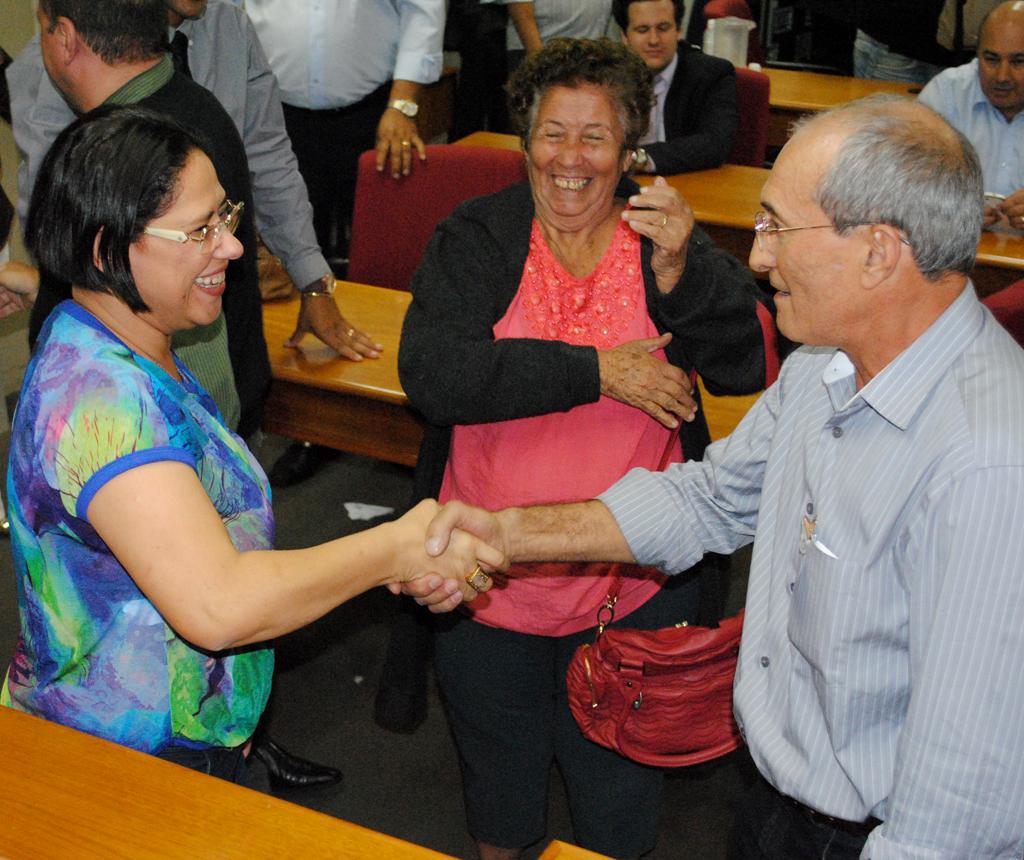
(589, 311)
(563, 456)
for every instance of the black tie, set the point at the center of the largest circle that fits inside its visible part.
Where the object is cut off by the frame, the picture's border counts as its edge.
(179, 52)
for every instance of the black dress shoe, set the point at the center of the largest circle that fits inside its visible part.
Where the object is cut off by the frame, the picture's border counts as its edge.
(300, 461)
(286, 771)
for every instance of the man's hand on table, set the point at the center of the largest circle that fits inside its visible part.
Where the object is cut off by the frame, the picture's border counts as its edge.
(319, 315)
(1013, 208)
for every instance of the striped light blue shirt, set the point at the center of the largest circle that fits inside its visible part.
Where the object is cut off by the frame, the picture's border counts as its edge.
(882, 665)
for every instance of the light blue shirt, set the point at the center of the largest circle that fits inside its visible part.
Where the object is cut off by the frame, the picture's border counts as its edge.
(957, 95)
(333, 53)
(881, 667)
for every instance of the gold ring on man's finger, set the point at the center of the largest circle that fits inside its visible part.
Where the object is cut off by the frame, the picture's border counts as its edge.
(478, 580)
(664, 219)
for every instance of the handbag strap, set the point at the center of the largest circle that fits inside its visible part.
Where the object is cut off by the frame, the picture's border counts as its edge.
(606, 611)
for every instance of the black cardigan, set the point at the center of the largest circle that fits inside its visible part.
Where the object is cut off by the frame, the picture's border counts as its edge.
(455, 372)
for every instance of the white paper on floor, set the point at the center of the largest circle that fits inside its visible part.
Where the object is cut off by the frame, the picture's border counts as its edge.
(361, 511)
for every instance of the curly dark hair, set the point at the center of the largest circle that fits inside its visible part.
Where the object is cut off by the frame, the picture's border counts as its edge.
(571, 62)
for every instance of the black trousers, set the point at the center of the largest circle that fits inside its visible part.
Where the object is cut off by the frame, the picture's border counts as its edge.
(769, 826)
(477, 32)
(327, 145)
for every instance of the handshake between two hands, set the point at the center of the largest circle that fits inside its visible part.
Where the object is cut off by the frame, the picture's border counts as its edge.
(448, 554)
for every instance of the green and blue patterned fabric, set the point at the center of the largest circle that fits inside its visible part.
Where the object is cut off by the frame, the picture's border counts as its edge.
(93, 652)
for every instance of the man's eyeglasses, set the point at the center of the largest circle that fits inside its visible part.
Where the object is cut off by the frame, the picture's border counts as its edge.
(764, 226)
(208, 237)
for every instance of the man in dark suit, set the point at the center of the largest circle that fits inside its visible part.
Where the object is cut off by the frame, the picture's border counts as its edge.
(693, 123)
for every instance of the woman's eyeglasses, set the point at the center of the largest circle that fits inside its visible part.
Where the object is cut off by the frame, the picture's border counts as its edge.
(228, 216)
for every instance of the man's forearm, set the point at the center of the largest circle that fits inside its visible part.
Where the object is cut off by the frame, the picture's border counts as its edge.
(584, 531)
(522, 17)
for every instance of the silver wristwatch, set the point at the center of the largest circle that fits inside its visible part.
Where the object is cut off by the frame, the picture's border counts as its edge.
(410, 109)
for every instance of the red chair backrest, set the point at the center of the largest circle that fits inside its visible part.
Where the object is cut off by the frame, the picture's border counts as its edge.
(727, 8)
(752, 130)
(771, 345)
(1008, 307)
(392, 220)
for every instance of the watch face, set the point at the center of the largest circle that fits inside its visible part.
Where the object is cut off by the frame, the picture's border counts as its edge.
(407, 107)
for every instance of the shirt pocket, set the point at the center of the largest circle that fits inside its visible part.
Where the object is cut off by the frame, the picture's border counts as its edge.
(824, 612)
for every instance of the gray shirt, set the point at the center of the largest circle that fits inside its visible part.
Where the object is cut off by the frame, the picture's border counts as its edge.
(573, 19)
(225, 57)
(881, 667)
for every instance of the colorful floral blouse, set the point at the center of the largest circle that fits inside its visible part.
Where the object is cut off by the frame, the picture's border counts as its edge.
(93, 652)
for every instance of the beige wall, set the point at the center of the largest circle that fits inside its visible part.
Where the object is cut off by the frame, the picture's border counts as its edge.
(17, 25)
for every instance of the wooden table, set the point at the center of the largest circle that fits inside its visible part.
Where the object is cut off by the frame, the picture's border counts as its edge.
(564, 851)
(355, 406)
(724, 201)
(67, 794)
(794, 93)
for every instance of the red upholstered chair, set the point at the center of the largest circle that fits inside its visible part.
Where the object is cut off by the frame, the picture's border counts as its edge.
(752, 130)
(1008, 307)
(737, 9)
(392, 220)
(771, 345)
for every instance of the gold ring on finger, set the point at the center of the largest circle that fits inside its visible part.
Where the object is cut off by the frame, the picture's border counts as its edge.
(478, 580)
(405, 143)
(350, 332)
(664, 219)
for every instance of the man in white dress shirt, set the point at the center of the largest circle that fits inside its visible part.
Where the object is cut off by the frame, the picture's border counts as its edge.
(350, 75)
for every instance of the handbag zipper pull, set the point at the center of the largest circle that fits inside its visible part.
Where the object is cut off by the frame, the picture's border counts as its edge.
(606, 613)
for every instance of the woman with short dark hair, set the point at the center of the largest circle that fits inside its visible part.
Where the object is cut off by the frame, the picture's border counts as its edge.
(141, 525)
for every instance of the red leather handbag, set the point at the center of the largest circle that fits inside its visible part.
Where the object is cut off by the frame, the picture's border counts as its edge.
(659, 697)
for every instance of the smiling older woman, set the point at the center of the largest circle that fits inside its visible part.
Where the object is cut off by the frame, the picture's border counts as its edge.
(550, 342)
(141, 525)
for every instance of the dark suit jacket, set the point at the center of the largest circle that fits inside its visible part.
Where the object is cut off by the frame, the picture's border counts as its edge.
(700, 114)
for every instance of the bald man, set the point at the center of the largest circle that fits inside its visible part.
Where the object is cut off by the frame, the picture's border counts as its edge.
(984, 100)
